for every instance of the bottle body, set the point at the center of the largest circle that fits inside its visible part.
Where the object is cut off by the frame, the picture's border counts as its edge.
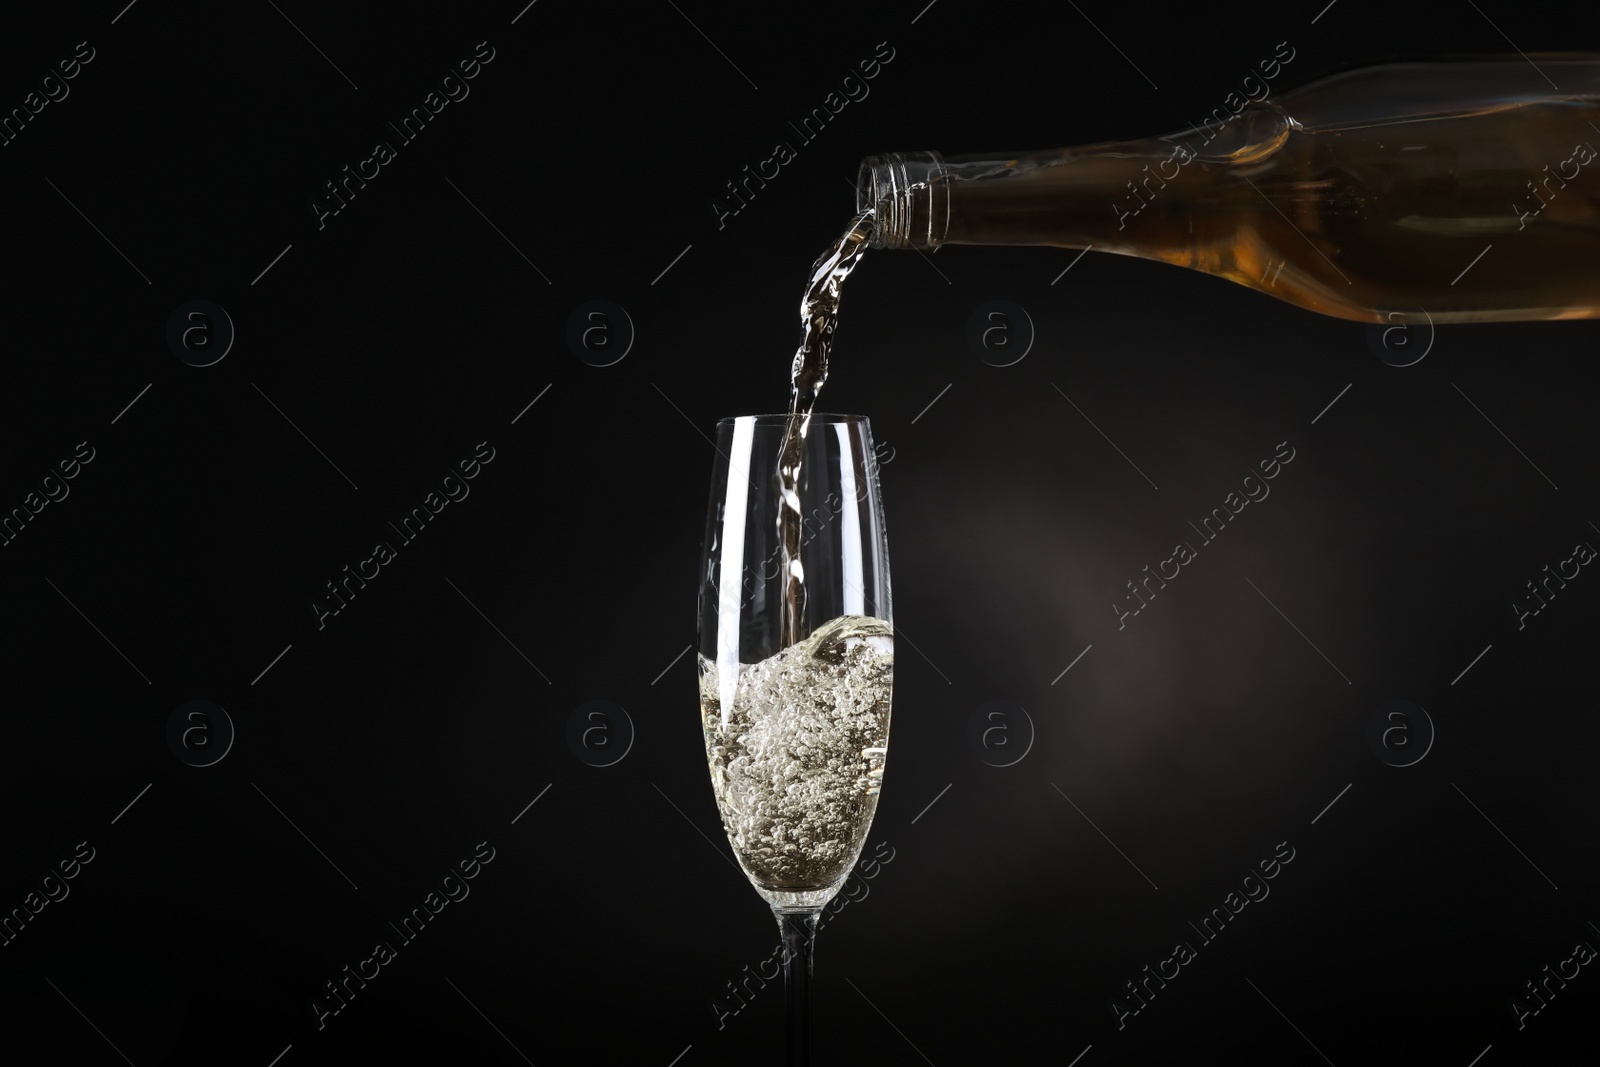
(1468, 189)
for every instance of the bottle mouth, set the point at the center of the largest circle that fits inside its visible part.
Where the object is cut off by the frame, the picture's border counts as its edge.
(908, 197)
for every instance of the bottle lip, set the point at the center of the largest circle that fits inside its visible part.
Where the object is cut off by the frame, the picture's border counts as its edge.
(905, 191)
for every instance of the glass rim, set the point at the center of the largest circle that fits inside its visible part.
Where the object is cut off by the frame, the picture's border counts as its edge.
(778, 420)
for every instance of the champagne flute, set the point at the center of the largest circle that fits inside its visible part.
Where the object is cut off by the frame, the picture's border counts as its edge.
(796, 736)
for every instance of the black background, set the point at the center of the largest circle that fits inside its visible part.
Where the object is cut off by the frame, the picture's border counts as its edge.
(411, 726)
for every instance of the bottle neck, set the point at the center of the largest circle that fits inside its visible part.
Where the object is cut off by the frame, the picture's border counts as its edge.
(1066, 198)
(1112, 195)
(909, 192)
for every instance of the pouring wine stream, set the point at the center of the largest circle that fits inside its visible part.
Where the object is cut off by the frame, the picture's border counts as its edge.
(819, 317)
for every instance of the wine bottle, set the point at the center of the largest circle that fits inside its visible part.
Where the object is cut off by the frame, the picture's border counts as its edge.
(1468, 188)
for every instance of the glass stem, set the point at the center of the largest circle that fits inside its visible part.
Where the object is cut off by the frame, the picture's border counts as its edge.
(798, 927)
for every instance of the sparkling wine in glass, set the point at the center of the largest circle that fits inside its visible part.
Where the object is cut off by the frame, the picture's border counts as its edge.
(796, 733)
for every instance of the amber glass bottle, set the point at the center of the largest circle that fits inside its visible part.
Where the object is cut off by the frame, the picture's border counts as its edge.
(1468, 188)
